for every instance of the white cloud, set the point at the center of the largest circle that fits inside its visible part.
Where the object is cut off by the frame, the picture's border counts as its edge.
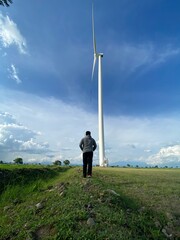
(147, 150)
(130, 57)
(14, 74)
(166, 156)
(10, 34)
(6, 118)
(31, 146)
(14, 137)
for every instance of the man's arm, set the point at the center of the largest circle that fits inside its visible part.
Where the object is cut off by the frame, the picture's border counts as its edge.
(81, 144)
(94, 145)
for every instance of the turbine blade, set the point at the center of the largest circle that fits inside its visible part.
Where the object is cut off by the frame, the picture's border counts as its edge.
(94, 64)
(93, 31)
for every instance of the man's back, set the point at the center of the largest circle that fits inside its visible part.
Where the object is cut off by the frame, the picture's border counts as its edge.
(88, 144)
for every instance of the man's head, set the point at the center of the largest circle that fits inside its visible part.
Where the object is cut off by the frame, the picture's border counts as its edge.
(88, 133)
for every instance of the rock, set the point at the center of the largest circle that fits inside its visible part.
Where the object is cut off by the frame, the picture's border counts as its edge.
(26, 226)
(61, 187)
(157, 224)
(169, 216)
(113, 192)
(39, 206)
(89, 207)
(142, 209)
(6, 208)
(90, 222)
(166, 234)
(17, 201)
(61, 193)
(50, 189)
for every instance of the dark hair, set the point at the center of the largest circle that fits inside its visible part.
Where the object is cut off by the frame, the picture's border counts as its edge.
(88, 133)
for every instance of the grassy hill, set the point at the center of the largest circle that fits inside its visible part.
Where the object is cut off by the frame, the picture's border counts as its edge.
(57, 203)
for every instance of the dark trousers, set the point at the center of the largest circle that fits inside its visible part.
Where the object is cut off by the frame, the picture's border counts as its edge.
(87, 163)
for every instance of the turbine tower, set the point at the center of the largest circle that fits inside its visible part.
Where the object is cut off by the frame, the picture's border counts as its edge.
(98, 56)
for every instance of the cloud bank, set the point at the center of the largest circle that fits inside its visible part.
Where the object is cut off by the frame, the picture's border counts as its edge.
(62, 126)
(16, 138)
(166, 156)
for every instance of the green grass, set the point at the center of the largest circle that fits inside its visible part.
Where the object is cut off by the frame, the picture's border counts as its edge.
(11, 175)
(124, 204)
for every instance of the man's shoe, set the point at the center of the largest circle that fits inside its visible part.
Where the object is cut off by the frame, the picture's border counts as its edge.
(89, 176)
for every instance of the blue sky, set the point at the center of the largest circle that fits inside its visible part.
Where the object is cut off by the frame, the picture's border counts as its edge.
(47, 97)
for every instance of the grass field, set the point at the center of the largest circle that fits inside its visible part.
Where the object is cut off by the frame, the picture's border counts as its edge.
(117, 203)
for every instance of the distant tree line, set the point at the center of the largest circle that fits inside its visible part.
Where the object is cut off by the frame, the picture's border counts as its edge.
(59, 163)
(66, 162)
(19, 160)
(137, 166)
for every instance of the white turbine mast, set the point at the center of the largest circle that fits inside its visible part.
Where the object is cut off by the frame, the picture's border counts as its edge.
(98, 56)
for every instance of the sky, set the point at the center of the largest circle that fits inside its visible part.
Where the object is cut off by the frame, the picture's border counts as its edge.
(48, 99)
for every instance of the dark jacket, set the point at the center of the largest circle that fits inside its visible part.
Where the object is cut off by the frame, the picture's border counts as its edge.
(87, 144)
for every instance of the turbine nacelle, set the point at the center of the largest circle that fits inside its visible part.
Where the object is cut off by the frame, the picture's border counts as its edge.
(96, 55)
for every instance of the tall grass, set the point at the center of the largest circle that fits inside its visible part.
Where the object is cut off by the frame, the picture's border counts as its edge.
(18, 181)
(19, 174)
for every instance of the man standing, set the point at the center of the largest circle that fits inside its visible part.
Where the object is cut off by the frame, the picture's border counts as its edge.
(87, 145)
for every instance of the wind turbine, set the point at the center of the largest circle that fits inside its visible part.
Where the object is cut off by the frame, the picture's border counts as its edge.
(98, 56)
